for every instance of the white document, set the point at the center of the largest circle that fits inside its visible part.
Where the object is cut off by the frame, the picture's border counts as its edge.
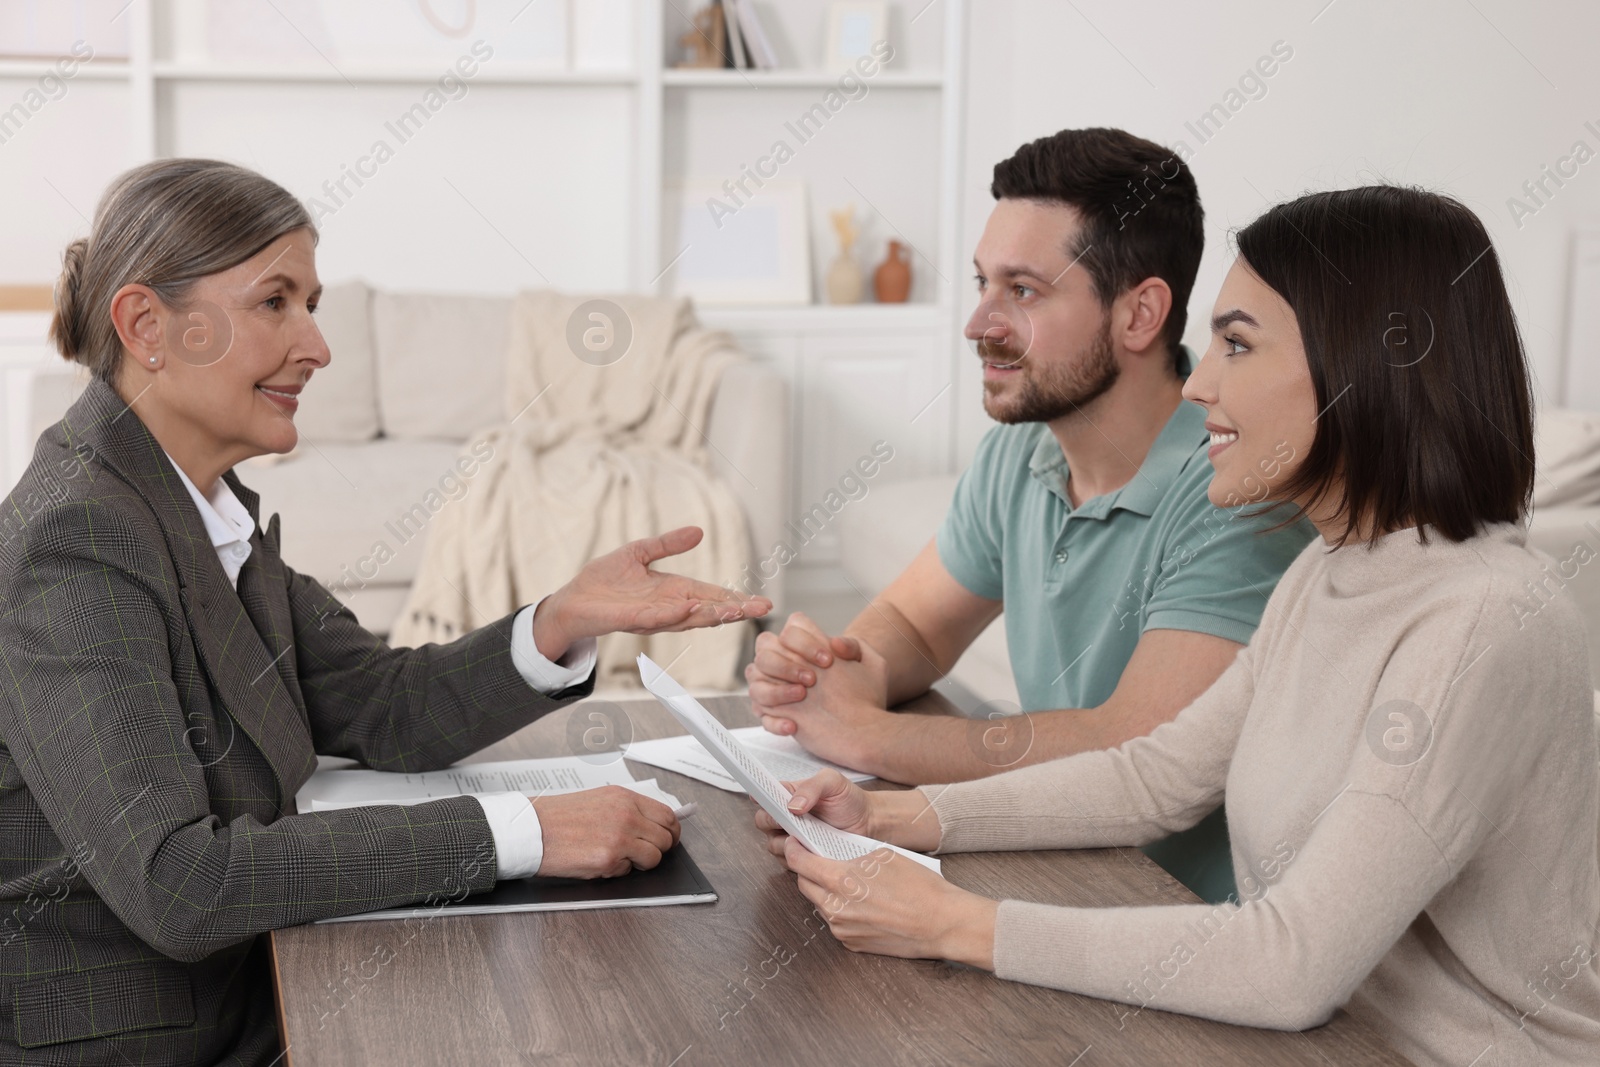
(351, 787)
(783, 756)
(759, 782)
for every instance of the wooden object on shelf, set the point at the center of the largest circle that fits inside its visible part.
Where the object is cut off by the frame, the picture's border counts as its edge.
(707, 40)
(27, 298)
(845, 279)
(891, 282)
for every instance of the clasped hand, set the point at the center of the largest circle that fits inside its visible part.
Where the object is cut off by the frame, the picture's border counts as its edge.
(828, 693)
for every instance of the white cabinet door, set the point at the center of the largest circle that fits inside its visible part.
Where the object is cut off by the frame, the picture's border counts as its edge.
(858, 376)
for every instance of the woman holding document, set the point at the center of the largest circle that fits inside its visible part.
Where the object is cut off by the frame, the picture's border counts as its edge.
(1406, 747)
(171, 680)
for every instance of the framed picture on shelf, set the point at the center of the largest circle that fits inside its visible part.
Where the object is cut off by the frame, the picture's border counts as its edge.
(754, 252)
(853, 28)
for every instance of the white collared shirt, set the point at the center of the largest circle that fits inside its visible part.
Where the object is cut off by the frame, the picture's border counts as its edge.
(518, 838)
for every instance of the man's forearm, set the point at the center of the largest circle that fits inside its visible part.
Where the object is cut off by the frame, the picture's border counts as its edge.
(912, 664)
(929, 749)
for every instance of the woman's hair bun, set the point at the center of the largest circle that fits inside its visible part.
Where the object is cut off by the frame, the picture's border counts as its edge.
(66, 326)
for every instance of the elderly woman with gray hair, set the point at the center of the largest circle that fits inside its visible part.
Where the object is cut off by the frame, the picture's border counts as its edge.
(171, 680)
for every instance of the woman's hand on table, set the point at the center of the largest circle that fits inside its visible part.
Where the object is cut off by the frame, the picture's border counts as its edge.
(883, 902)
(618, 592)
(603, 833)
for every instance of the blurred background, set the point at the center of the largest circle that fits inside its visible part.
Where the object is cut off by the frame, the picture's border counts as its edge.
(479, 148)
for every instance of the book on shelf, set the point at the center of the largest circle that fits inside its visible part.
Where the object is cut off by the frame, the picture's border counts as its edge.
(735, 57)
(757, 44)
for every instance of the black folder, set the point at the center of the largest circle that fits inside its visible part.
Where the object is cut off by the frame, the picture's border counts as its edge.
(675, 880)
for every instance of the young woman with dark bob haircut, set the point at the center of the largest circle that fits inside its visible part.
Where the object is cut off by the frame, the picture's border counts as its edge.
(1407, 754)
(170, 680)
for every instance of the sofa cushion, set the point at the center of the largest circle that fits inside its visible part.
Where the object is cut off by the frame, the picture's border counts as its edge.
(1571, 536)
(339, 502)
(51, 392)
(341, 401)
(426, 341)
(881, 534)
(1567, 452)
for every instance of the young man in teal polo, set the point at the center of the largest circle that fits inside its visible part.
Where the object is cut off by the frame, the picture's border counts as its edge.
(1084, 513)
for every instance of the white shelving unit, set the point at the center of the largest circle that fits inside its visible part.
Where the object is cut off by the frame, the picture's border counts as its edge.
(859, 373)
(389, 75)
(30, 69)
(759, 79)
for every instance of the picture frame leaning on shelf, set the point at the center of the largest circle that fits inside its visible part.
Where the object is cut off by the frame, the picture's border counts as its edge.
(853, 27)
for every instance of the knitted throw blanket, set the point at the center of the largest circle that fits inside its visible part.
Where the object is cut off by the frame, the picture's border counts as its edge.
(587, 458)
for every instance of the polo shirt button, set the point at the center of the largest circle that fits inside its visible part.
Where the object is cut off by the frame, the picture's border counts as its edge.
(1061, 555)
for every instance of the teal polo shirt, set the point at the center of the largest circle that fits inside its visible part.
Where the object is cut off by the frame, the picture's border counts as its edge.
(1082, 585)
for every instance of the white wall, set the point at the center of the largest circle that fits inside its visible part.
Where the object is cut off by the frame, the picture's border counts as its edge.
(1471, 99)
(53, 170)
(463, 205)
(1425, 92)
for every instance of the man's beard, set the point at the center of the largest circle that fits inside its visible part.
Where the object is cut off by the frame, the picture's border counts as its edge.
(1046, 392)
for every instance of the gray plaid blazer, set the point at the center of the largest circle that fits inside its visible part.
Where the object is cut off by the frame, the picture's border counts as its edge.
(155, 725)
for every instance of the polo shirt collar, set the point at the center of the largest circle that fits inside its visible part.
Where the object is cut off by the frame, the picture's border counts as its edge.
(1172, 448)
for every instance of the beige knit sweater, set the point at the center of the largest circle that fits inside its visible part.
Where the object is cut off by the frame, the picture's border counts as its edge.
(1409, 756)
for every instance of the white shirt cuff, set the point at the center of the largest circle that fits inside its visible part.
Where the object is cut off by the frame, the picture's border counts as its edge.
(518, 838)
(541, 673)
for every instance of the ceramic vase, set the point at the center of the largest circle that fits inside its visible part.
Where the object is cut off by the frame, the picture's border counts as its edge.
(892, 281)
(844, 280)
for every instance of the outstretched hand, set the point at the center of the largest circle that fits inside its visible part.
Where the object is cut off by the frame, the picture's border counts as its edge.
(618, 592)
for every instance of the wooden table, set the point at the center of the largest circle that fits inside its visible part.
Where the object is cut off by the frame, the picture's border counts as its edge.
(754, 978)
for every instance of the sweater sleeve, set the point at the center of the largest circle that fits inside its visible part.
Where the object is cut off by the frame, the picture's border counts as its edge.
(1145, 789)
(1284, 958)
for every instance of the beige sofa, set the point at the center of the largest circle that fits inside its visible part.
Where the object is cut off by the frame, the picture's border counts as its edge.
(413, 376)
(881, 535)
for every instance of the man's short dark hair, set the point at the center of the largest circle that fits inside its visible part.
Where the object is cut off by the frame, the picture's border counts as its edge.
(1140, 209)
(1422, 387)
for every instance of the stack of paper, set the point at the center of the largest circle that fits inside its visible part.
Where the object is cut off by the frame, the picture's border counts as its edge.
(353, 787)
(783, 756)
(756, 779)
